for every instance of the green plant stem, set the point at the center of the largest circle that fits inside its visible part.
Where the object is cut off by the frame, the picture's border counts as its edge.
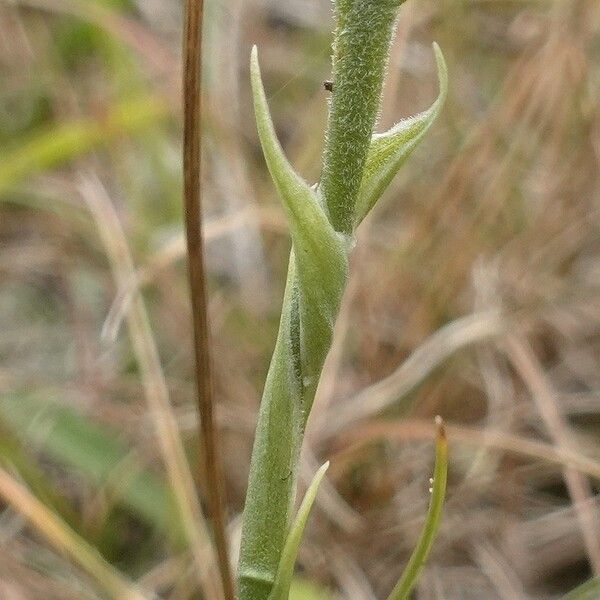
(357, 167)
(316, 278)
(362, 39)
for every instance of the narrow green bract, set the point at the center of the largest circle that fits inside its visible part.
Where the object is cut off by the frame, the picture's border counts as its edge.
(389, 150)
(357, 168)
(417, 560)
(283, 581)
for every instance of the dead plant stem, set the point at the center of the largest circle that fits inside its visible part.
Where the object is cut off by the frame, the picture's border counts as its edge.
(192, 85)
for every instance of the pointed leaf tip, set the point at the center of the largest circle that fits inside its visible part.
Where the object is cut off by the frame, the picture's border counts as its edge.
(303, 209)
(442, 69)
(389, 150)
(285, 572)
(320, 253)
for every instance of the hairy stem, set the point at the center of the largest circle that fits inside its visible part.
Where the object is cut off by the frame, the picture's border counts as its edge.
(316, 278)
(362, 39)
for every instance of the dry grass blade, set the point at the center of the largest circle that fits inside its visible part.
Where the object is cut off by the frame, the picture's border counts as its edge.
(417, 429)
(350, 577)
(175, 250)
(155, 388)
(128, 30)
(499, 572)
(64, 539)
(192, 136)
(415, 369)
(544, 397)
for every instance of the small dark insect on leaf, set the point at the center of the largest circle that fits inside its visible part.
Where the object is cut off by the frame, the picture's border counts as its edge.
(328, 85)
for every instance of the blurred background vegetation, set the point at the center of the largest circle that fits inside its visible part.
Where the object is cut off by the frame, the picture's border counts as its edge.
(474, 294)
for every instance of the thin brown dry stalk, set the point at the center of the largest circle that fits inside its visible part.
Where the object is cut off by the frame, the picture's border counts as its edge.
(66, 541)
(174, 249)
(528, 366)
(192, 131)
(155, 388)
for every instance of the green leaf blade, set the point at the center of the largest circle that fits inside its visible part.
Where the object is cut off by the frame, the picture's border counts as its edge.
(283, 581)
(438, 491)
(321, 253)
(388, 151)
(93, 451)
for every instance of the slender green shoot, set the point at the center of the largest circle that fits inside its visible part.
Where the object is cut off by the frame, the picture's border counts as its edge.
(283, 580)
(438, 491)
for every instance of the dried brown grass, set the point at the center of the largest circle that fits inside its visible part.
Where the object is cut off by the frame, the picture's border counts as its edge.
(494, 220)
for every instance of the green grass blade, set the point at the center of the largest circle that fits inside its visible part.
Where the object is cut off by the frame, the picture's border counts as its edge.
(94, 451)
(388, 151)
(281, 588)
(59, 144)
(590, 590)
(428, 533)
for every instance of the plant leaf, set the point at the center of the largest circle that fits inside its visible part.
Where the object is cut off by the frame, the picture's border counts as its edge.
(320, 253)
(306, 217)
(590, 590)
(389, 150)
(430, 527)
(285, 572)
